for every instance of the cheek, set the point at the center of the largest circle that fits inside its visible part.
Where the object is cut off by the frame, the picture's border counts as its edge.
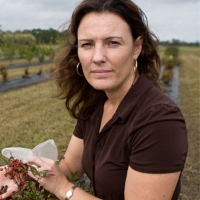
(84, 57)
(122, 60)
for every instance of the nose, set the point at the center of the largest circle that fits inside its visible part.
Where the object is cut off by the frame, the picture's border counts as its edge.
(99, 55)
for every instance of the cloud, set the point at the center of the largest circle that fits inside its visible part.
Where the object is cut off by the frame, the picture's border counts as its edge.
(171, 1)
(173, 19)
(167, 18)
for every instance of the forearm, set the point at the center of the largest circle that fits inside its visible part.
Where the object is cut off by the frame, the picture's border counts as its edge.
(72, 160)
(68, 172)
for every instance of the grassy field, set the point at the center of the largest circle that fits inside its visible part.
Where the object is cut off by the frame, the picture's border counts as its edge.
(29, 116)
(190, 105)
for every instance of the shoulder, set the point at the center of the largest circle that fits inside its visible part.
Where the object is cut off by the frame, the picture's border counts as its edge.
(154, 106)
(158, 140)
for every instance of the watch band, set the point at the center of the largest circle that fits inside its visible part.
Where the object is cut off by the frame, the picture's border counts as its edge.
(69, 193)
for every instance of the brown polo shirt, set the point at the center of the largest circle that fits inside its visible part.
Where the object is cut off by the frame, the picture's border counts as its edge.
(147, 133)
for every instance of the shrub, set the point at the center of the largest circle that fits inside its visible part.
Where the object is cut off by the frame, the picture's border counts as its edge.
(169, 62)
(4, 72)
(31, 190)
(171, 57)
(172, 50)
(167, 76)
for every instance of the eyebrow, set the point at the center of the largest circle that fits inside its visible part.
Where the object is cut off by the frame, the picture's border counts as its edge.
(107, 38)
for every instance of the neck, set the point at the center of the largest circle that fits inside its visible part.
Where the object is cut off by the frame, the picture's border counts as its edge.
(116, 96)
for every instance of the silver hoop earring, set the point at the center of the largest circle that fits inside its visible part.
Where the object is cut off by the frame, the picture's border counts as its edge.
(77, 66)
(135, 66)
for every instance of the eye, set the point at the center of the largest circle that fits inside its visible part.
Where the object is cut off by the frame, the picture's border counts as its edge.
(86, 45)
(113, 43)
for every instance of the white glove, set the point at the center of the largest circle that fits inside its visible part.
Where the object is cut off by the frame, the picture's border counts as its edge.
(45, 149)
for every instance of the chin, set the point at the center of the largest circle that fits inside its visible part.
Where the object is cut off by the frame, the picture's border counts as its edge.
(100, 87)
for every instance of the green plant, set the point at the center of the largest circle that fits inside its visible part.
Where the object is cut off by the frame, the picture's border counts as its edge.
(169, 62)
(29, 52)
(31, 190)
(50, 52)
(40, 52)
(167, 76)
(8, 47)
(26, 73)
(172, 50)
(171, 57)
(18, 172)
(4, 72)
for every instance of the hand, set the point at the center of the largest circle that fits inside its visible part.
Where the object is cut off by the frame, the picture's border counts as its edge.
(54, 180)
(12, 187)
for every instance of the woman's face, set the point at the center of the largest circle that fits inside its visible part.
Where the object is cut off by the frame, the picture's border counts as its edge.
(107, 51)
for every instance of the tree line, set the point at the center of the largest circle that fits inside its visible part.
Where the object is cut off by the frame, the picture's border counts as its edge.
(177, 42)
(40, 36)
(29, 43)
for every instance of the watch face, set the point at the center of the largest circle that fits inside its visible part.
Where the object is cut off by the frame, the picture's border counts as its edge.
(69, 194)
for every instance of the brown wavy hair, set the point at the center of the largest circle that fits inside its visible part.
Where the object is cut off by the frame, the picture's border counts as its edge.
(80, 97)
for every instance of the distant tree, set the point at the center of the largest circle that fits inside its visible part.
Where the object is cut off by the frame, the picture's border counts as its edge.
(177, 42)
(50, 52)
(44, 36)
(40, 52)
(1, 38)
(24, 39)
(172, 51)
(8, 46)
(29, 52)
(22, 51)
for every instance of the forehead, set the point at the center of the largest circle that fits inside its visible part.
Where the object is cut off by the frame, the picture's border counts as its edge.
(102, 23)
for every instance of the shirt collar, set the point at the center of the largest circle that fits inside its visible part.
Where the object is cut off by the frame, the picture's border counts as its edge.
(132, 98)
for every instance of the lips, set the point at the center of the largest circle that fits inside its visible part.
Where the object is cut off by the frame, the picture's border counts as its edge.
(101, 73)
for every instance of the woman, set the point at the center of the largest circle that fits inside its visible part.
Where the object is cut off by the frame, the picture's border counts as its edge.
(130, 139)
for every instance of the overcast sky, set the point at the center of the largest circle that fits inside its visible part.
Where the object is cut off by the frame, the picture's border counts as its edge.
(168, 19)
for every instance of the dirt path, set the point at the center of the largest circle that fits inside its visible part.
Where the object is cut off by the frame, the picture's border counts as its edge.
(21, 82)
(32, 64)
(172, 89)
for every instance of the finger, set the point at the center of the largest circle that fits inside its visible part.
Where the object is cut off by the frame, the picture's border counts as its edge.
(36, 161)
(44, 164)
(9, 193)
(48, 161)
(41, 161)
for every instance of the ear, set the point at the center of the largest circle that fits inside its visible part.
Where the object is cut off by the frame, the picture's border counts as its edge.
(137, 47)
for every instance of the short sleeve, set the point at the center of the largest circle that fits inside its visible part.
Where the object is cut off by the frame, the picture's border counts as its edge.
(78, 130)
(159, 145)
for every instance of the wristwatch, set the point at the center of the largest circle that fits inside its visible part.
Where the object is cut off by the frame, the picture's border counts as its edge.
(69, 193)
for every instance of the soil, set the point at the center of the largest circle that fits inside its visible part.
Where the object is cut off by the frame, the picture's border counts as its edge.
(172, 89)
(21, 82)
(32, 64)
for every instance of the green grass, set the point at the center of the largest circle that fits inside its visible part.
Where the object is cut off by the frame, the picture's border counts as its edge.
(18, 61)
(190, 106)
(29, 116)
(189, 94)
